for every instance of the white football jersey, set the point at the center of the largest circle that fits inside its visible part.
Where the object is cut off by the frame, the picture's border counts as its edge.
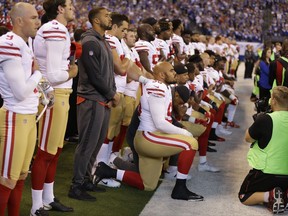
(53, 31)
(132, 87)
(164, 46)
(156, 89)
(176, 39)
(148, 47)
(206, 77)
(115, 43)
(13, 47)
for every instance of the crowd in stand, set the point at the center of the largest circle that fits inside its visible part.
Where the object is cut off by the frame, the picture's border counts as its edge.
(240, 20)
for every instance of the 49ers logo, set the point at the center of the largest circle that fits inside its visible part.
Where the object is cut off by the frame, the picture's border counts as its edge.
(155, 59)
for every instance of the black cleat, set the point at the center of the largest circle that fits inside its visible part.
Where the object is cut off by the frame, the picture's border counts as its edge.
(182, 193)
(39, 212)
(209, 149)
(103, 171)
(89, 186)
(211, 144)
(57, 206)
(79, 193)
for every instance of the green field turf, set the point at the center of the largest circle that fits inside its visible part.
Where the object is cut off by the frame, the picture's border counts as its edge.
(126, 201)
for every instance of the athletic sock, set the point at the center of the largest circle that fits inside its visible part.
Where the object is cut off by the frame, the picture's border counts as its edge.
(15, 199)
(185, 161)
(131, 178)
(118, 142)
(103, 153)
(36, 200)
(48, 193)
(4, 194)
(39, 169)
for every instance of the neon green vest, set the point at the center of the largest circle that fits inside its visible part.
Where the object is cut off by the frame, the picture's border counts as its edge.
(274, 158)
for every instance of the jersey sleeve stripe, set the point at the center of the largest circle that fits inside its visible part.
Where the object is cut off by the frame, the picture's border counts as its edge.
(156, 94)
(155, 89)
(10, 54)
(51, 32)
(9, 47)
(55, 37)
(110, 41)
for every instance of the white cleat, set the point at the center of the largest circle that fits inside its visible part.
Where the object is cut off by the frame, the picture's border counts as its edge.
(223, 130)
(205, 167)
(110, 183)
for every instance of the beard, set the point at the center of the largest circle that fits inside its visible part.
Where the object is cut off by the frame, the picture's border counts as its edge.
(106, 27)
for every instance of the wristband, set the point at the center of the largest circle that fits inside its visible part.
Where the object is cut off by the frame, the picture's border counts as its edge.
(143, 79)
(201, 110)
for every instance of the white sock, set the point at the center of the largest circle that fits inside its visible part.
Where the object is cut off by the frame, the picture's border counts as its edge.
(231, 110)
(110, 146)
(202, 159)
(214, 124)
(36, 200)
(48, 193)
(103, 153)
(171, 169)
(113, 156)
(181, 176)
(266, 196)
(120, 174)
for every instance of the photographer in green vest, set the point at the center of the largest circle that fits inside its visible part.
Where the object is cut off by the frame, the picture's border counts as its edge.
(267, 182)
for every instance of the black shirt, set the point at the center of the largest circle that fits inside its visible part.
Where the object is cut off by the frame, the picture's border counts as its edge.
(261, 130)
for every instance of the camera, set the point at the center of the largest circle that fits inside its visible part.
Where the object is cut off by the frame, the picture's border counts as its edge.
(262, 106)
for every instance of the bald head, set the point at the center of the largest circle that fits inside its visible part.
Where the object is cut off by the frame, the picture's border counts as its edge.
(164, 72)
(21, 9)
(161, 67)
(25, 20)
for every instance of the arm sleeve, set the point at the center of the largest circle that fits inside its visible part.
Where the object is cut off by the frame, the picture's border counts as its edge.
(261, 130)
(90, 58)
(157, 109)
(15, 75)
(54, 58)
